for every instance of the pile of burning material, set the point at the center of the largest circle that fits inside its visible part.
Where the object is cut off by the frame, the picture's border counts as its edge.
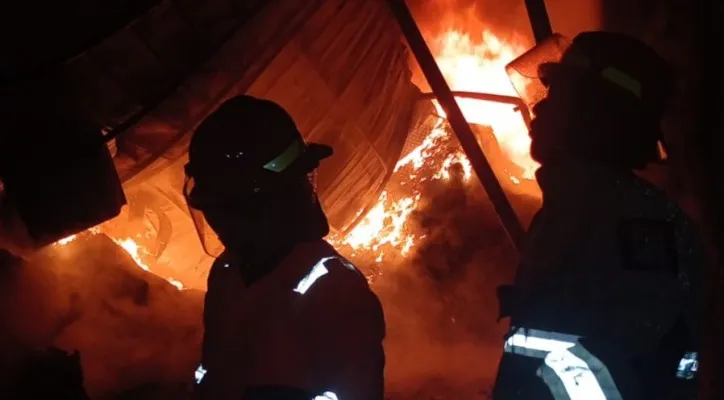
(470, 65)
(384, 231)
(134, 238)
(130, 327)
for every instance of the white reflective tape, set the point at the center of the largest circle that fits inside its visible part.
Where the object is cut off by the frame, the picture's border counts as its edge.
(536, 343)
(318, 271)
(327, 396)
(199, 374)
(539, 341)
(579, 382)
(688, 365)
(576, 373)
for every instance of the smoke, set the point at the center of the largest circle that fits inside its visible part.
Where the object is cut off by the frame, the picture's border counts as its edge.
(440, 305)
(131, 327)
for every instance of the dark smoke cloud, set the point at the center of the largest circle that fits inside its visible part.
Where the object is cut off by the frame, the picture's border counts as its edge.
(132, 328)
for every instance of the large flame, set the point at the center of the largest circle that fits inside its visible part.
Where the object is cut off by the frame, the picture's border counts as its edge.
(468, 64)
(479, 66)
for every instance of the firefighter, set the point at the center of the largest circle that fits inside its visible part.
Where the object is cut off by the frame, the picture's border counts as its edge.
(605, 303)
(286, 317)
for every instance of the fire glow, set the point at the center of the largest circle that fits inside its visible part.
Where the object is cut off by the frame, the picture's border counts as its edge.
(130, 246)
(467, 65)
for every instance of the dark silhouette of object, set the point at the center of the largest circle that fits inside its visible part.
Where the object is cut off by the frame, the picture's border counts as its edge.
(51, 374)
(607, 296)
(283, 309)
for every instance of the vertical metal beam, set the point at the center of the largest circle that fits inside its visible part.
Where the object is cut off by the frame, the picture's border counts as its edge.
(539, 21)
(457, 121)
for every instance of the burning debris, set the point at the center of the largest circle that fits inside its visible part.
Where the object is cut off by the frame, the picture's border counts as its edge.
(130, 245)
(468, 65)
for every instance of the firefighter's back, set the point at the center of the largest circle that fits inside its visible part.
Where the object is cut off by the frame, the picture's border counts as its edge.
(312, 324)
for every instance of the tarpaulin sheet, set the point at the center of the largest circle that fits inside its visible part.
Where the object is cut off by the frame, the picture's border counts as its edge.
(338, 66)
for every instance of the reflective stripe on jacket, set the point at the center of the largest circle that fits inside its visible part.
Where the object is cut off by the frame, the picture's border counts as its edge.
(611, 259)
(312, 323)
(573, 276)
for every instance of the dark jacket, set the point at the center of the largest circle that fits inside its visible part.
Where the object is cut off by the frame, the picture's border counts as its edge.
(611, 258)
(312, 323)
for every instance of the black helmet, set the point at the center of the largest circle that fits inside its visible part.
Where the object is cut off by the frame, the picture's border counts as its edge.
(621, 61)
(613, 72)
(247, 155)
(616, 58)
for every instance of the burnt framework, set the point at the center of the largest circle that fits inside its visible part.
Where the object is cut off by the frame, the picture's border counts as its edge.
(539, 20)
(460, 126)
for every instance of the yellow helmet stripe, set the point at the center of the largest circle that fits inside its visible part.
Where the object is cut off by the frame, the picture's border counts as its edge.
(623, 80)
(286, 158)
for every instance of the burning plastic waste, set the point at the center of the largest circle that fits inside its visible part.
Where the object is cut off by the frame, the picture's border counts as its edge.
(468, 65)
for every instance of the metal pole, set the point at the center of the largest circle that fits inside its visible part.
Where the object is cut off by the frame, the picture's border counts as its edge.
(457, 121)
(520, 106)
(493, 98)
(539, 21)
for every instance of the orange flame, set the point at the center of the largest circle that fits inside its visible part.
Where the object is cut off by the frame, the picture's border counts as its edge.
(480, 67)
(130, 246)
(385, 223)
(133, 250)
(468, 65)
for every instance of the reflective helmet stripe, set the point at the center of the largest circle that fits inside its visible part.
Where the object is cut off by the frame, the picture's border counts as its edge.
(286, 158)
(622, 80)
(610, 73)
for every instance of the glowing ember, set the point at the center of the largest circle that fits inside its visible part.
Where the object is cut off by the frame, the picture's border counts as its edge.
(385, 224)
(176, 283)
(132, 249)
(459, 158)
(130, 246)
(468, 65)
(64, 241)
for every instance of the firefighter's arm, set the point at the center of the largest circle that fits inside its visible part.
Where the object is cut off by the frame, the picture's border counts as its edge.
(353, 327)
(222, 285)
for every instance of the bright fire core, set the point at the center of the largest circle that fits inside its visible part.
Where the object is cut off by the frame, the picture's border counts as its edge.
(468, 64)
